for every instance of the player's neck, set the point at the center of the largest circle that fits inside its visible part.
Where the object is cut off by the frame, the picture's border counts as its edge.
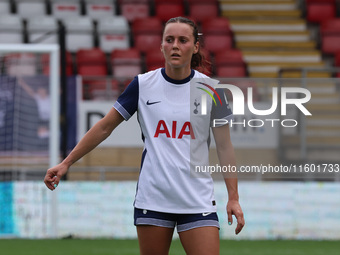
(177, 73)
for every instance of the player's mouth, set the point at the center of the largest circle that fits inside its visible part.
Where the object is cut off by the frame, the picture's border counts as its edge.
(175, 55)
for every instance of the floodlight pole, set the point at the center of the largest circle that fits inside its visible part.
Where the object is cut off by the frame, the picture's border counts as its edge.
(64, 94)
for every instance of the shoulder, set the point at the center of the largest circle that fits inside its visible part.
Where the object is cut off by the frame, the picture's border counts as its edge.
(150, 79)
(149, 74)
(201, 77)
(144, 78)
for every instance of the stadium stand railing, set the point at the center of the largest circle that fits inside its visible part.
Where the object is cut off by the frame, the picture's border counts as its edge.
(317, 139)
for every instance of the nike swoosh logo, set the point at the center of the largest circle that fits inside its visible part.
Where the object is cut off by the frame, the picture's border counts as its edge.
(150, 103)
(206, 214)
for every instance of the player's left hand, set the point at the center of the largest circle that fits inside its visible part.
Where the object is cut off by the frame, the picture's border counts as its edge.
(54, 174)
(234, 208)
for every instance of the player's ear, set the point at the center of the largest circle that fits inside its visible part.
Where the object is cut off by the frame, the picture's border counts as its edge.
(196, 47)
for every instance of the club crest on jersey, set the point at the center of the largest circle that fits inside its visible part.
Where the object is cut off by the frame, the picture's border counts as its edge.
(196, 104)
(163, 129)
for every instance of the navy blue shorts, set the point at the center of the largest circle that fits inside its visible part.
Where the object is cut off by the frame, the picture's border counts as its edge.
(170, 220)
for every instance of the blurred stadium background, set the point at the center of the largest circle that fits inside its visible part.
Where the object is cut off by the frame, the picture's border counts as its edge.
(103, 44)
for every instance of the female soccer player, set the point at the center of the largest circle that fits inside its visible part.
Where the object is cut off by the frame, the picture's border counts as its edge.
(176, 137)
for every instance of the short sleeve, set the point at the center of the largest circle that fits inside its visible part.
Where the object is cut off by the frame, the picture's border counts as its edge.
(221, 110)
(127, 102)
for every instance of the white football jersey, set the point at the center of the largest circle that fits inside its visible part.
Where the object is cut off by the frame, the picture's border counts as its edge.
(175, 117)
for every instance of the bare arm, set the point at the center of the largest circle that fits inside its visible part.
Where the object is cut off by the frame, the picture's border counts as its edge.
(226, 156)
(26, 87)
(98, 133)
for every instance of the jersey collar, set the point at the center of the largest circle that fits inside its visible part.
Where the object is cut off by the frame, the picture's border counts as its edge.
(167, 78)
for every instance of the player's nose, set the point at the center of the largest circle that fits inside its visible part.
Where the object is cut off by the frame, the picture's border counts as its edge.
(175, 44)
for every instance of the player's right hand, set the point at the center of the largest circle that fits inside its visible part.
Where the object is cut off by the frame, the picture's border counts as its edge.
(53, 176)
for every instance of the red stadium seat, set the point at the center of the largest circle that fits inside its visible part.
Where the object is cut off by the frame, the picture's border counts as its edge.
(217, 42)
(330, 43)
(154, 59)
(200, 10)
(130, 55)
(231, 71)
(91, 62)
(216, 25)
(167, 10)
(100, 89)
(320, 1)
(230, 63)
(169, 1)
(90, 56)
(45, 63)
(92, 70)
(330, 36)
(147, 25)
(217, 34)
(228, 56)
(337, 59)
(145, 42)
(147, 33)
(318, 12)
(126, 62)
(134, 9)
(330, 26)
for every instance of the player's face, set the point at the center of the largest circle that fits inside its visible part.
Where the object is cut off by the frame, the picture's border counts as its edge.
(178, 45)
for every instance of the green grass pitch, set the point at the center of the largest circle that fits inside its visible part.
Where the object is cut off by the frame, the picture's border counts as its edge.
(130, 247)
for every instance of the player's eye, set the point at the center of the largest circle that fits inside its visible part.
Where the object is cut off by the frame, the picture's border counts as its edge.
(169, 40)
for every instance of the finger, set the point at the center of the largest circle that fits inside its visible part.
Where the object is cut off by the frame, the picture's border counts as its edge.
(230, 217)
(240, 224)
(239, 228)
(50, 180)
(49, 185)
(50, 175)
(56, 181)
